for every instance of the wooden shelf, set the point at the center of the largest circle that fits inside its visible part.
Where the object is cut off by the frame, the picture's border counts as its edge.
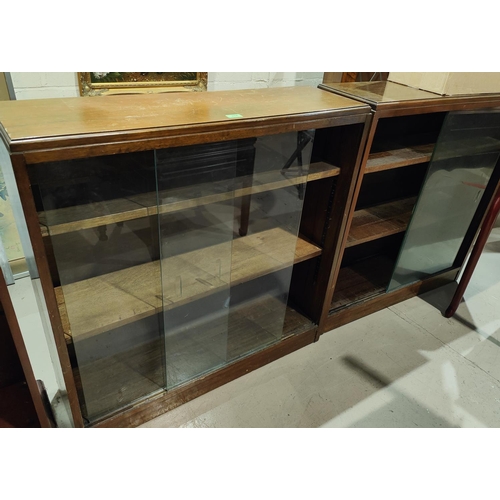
(139, 371)
(398, 157)
(362, 281)
(80, 217)
(380, 221)
(109, 301)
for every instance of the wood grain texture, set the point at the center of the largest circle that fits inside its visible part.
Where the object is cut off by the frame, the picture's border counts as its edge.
(180, 199)
(78, 217)
(99, 304)
(189, 137)
(36, 124)
(324, 214)
(350, 161)
(63, 313)
(65, 220)
(390, 97)
(361, 281)
(396, 158)
(382, 92)
(380, 221)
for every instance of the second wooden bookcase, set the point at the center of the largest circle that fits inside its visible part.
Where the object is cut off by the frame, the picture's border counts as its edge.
(428, 173)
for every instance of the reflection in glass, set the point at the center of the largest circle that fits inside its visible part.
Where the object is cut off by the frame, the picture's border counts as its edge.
(103, 245)
(465, 155)
(195, 204)
(262, 260)
(229, 214)
(169, 264)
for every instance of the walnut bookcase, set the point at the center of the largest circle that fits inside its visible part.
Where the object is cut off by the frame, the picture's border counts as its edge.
(183, 241)
(420, 147)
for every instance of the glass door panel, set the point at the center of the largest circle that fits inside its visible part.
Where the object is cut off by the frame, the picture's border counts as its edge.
(229, 214)
(266, 244)
(102, 247)
(462, 163)
(196, 212)
(169, 264)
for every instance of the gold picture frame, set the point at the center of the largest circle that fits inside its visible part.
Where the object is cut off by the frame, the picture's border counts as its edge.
(109, 83)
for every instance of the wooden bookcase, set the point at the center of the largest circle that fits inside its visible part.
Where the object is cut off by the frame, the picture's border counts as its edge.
(183, 241)
(400, 155)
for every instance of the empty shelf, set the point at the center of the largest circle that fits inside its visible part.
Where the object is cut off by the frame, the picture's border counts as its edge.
(361, 281)
(98, 304)
(141, 370)
(80, 217)
(400, 157)
(380, 221)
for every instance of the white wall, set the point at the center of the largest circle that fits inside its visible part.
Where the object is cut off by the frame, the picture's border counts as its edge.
(238, 81)
(43, 85)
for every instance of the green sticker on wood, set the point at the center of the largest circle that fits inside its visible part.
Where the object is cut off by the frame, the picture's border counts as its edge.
(236, 115)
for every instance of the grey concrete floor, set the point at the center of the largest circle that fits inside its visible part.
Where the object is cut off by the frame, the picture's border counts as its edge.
(405, 366)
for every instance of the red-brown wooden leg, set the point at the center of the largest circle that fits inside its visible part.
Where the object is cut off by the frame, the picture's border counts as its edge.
(489, 220)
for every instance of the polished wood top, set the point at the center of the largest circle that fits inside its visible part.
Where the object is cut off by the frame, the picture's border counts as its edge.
(40, 120)
(385, 95)
(380, 92)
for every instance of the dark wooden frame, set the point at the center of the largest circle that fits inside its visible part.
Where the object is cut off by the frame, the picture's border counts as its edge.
(15, 333)
(27, 151)
(434, 104)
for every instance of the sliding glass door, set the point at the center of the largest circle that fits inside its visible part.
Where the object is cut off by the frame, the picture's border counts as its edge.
(465, 155)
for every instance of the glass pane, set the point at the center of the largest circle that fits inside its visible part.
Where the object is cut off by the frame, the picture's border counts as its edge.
(196, 212)
(172, 263)
(265, 248)
(229, 214)
(102, 244)
(465, 155)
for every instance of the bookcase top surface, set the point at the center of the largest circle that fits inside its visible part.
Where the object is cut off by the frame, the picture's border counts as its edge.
(390, 94)
(75, 119)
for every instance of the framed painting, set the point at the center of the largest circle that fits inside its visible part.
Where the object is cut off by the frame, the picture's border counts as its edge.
(108, 83)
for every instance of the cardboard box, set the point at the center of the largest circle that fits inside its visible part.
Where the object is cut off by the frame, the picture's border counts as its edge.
(450, 83)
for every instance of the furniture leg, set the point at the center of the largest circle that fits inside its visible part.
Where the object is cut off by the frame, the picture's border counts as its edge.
(475, 254)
